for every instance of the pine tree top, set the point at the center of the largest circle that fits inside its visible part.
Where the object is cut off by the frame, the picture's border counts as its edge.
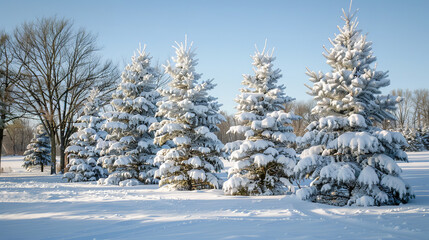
(183, 73)
(261, 93)
(186, 97)
(353, 84)
(136, 93)
(93, 103)
(137, 77)
(265, 76)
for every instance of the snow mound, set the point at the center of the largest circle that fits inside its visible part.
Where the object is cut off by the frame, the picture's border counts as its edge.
(129, 183)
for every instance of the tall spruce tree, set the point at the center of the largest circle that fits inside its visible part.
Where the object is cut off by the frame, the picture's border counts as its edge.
(190, 118)
(128, 152)
(82, 153)
(38, 151)
(263, 162)
(350, 160)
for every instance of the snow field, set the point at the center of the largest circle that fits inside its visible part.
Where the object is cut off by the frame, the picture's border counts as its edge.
(39, 206)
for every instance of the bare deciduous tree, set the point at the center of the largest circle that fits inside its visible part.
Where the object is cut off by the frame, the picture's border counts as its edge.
(223, 134)
(7, 112)
(421, 108)
(303, 109)
(59, 68)
(413, 111)
(404, 108)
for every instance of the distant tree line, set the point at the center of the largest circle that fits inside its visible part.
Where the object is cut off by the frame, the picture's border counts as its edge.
(18, 134)
(413, 110)
(412, 117)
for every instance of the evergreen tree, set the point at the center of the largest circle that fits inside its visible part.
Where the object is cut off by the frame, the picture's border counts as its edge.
(82, 153)
(415, 140)
(128, 151)
(350, 160)
(425, 137)
(263, 163)
(190, 118)
(38, 151)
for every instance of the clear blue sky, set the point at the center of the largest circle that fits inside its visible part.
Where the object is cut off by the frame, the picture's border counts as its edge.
(225, 32)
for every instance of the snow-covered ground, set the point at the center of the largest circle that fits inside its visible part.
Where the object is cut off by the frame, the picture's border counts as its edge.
(39, 206)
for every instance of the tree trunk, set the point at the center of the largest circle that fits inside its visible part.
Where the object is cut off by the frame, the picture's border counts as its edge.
(21, 145)
(62, 155)
(41, 167)
(14, 148)
(1, 145)
(66, 158)
(53, 153)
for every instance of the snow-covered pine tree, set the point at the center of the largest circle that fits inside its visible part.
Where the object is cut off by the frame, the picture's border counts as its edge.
(82, 153)
(425, 137)
(128, 151)
(414, 139)
(350, 160)
(38, 151)
(190, 118)
(263, 162)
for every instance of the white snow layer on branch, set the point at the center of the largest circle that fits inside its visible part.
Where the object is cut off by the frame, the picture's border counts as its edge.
(357, 142)
(368, 176)
(234, 184)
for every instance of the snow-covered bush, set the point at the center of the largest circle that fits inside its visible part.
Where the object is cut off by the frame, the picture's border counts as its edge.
(128, 150)
(190, 118)
(38, 151)
(263, 163)
(82, 153)
(349, 160)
